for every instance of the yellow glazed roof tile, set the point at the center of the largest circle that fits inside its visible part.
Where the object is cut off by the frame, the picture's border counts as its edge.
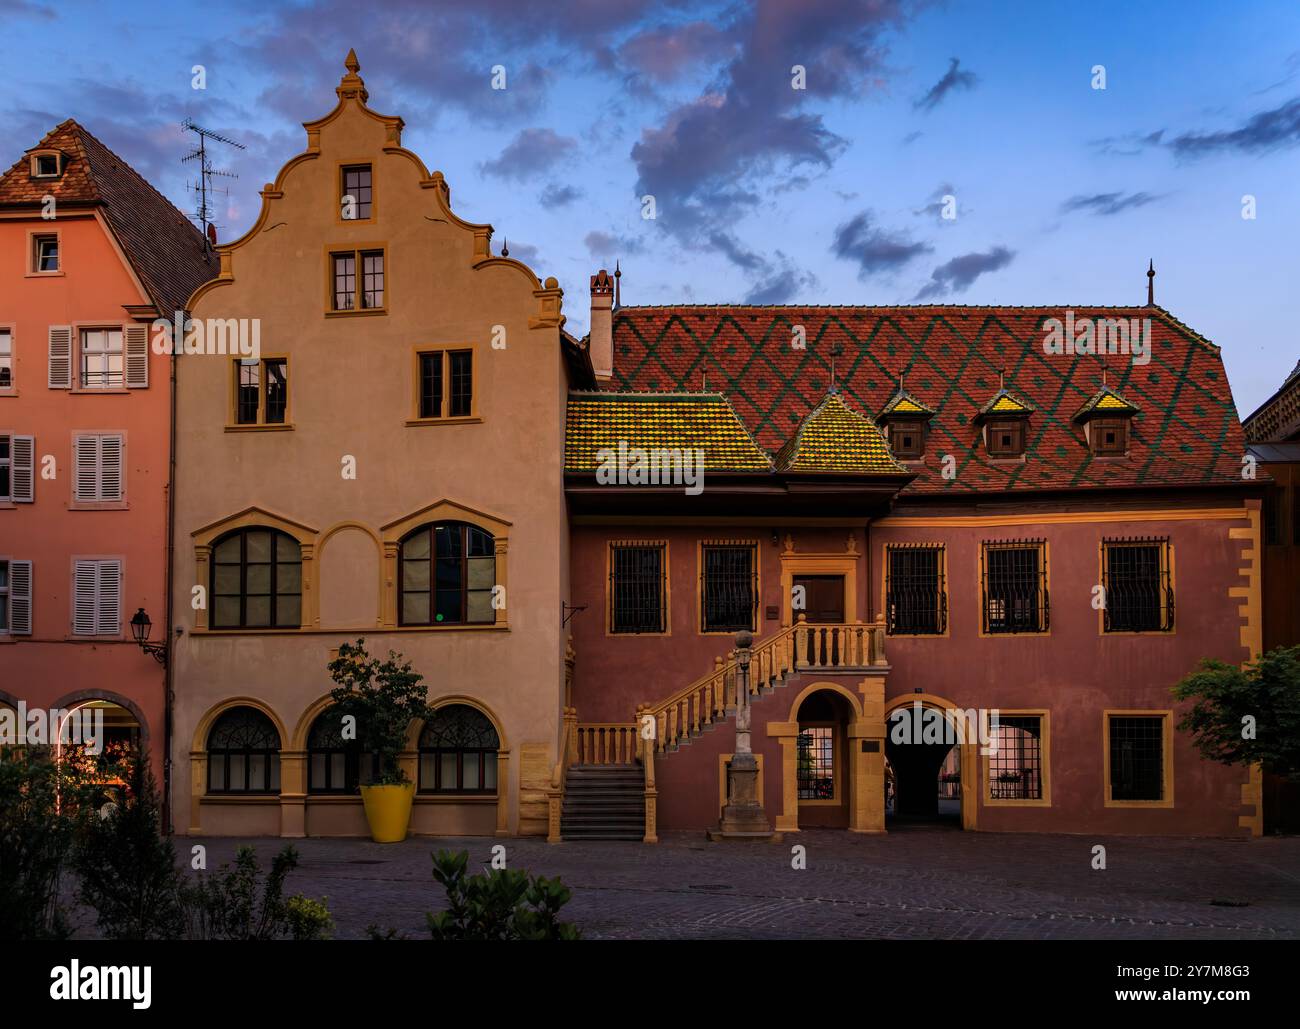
(835, 438)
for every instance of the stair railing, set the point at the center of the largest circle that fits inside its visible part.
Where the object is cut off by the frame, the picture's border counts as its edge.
(804, 646)
(568, 756)
(606, 743)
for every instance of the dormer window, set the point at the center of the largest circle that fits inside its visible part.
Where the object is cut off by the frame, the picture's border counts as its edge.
(904, 419)
(1006, 438)
(1109, 436)
(907, 439)
(1106, 419)
(46, 166)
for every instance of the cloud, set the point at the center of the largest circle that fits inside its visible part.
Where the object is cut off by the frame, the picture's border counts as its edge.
(525, 252)
(875, 250)
(935, 204)
(1275, 129)
(783, 285)
(530, 153)
(1108, 203)
(607, 246)
(953, 79)
(558, 195)
(702, 160)
(956, 275)
(666, 52)
(1265, 131)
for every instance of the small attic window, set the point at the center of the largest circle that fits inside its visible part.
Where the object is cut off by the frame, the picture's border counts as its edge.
(1006, 438)
(907, 439)
(1109, 436)
(45, 166)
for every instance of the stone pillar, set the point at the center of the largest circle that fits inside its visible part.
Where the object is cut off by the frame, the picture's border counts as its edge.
(867, 759)
(293, 794)
(743, 817)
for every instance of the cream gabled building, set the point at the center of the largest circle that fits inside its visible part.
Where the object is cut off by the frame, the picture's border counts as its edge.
(387, 466)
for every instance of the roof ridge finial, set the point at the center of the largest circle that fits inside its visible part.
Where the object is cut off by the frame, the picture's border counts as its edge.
(1103, 372)
(1151, 283)
(351, 86)
(1002, 378)
(836, 350)
(505, 247)
(618, 293)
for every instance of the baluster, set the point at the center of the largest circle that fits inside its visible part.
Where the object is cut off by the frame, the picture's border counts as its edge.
(661, 730)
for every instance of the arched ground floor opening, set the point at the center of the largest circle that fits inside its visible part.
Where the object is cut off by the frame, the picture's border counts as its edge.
(930, 764)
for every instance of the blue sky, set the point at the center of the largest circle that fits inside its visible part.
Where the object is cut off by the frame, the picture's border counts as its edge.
(830, 194)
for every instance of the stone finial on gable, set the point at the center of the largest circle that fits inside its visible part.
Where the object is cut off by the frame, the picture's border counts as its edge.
(352, 86)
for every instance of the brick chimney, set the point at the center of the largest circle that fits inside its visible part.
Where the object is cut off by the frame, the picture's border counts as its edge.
(602, 325)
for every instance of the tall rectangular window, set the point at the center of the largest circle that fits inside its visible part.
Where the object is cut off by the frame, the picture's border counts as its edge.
(98, 468)
(1137, 585)
(45, 253)
(916, 599)
(1137, 757)
(431, 384)
(6, 359)
(345, 281)
(446, 384)
(637, 588)
(261, 391)
(1015, 766)
(355, 203)
(372, 279)
(728, 587)
(816, 763)
(97, 598)
(1015, 586)
(101, 359)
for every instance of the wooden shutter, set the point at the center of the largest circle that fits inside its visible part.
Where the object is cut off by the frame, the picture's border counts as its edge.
(108, 607)
(136, 339)
(110, 468)
(85, 473)
(60, 376)
(20, 598)
(22, 469)
(85, 585)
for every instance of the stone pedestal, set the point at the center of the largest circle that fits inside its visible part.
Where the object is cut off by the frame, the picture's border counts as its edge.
(743, 818)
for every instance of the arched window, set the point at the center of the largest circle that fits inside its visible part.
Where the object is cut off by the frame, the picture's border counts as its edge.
(256, 580)
(458, 752)
(447, 574)
(243, 753)
(336, 765)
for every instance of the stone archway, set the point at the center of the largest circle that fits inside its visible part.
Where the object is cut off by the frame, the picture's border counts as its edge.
(916, 763)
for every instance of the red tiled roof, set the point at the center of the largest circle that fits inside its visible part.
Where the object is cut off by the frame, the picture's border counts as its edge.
(164, 248)
(1186, 433)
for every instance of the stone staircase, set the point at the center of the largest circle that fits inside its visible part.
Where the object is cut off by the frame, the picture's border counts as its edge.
(603, 802)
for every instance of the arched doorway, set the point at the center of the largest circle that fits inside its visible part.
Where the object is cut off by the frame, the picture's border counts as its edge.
(104, 740)
(822, 761)
(930, 764)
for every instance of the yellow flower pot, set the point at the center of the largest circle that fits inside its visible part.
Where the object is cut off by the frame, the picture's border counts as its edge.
(388, 810)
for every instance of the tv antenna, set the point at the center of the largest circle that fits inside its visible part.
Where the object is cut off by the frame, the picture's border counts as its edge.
(204, 186)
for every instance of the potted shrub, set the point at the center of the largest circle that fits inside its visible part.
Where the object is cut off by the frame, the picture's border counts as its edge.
(383, 697)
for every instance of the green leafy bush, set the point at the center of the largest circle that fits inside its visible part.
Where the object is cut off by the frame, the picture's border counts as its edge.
(498, 904)
(240, 903)
(41, 807)
(384, 697)
(1247, 715)
(128, 868)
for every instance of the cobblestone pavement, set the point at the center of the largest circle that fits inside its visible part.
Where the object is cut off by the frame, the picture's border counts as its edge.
(913, 883)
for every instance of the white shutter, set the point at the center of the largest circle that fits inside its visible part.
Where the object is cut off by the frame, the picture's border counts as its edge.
(60, 357)
(22, 469)
(137, 356)
(108, 613)
(110, 468)
(20, 598)
(85, 584)
(85, 472)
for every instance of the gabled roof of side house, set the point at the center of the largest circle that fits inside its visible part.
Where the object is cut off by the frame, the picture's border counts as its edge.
(668, 421)
(166, 251)
(1186, 434)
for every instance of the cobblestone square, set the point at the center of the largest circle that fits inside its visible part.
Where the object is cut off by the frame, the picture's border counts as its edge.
(911, 884)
